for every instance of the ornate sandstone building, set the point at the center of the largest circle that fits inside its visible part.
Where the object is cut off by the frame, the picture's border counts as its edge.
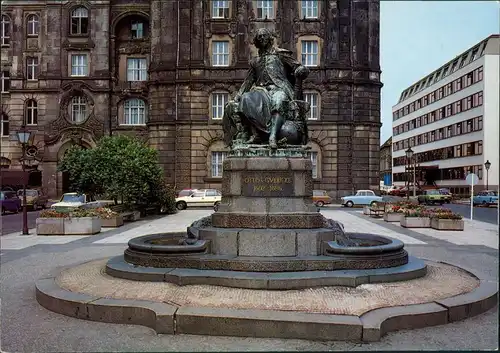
(74, 71)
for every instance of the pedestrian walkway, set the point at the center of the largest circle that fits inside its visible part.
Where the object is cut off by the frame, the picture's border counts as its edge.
(169, 224)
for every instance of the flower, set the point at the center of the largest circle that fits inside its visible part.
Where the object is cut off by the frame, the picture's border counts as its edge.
(53, 214)
(105, 213)
(446, 215)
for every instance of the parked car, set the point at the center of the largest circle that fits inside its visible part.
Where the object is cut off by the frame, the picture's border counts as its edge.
(395, 191)
(362, 197)
(185, 192)
(34, 199)
(200, 198)
(73, 200)
(9, 202)
(447, 193)
(432, 196)
(321, 198)
(486, 198)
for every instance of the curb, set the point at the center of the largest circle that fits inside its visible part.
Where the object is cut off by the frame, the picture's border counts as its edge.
(170, 319)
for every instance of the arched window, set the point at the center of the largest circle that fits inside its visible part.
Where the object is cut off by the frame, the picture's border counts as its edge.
(5, 30)
(78, 109)
(80, 21)
(5, 125)
(31, 112)
(134, 112)
(33, 25)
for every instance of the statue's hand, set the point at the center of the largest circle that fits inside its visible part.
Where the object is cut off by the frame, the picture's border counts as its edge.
(301, 72)
(237, 98)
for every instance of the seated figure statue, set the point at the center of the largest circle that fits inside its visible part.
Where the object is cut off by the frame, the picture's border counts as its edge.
(269, 107)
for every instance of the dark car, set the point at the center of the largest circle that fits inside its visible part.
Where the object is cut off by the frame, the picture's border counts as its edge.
(9, 202)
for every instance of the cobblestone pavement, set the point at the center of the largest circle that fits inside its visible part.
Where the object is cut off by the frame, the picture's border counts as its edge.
(27, 327)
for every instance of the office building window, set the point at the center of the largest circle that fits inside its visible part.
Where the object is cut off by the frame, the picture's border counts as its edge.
(217, 162)
(134, 111)
(137, 69)
(313, 99)
(33, 25)
(309, 9)
(31, 112)
(219, 100)
(265, 9)
(220, 8)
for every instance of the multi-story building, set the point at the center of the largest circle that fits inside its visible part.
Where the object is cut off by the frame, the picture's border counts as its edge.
(386, 163)
(450, 119)
(74, 71)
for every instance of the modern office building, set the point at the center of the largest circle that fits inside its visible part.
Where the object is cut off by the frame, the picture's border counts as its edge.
(450, 119)
(73, 71)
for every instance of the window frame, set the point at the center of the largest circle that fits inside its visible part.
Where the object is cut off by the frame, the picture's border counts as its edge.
(138, 71)
(3, 80)
(313, 157)
(5, 30)
(307, 7)
(216, 166)
(217, 6)
(80, 21)
(74, 68)
(216, 108)
(4, 122)
(142, 31)
(31, 112)
(305, 54)
(266, 7)
(32, 63)
(128, 112)
(32, 25)
(82, 102)
(317, 106)
(216, 55)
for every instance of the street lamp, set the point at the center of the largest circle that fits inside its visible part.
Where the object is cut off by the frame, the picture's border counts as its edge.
(487, 165)
(409, 155)
(23, 136)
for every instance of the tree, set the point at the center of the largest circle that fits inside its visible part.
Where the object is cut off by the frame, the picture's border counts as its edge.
(123, 167)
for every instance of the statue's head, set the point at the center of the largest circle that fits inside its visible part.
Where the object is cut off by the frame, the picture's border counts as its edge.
(263, 38)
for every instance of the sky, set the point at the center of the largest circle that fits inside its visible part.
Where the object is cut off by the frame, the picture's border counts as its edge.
(418, 37)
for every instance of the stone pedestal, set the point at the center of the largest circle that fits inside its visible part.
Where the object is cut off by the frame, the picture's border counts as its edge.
(268, 189)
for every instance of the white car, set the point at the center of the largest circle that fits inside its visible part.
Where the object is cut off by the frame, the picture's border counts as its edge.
(200, 198)
(362, 198)
(73, 200)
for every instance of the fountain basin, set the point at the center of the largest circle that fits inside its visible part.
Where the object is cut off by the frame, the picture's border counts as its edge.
(167, 244)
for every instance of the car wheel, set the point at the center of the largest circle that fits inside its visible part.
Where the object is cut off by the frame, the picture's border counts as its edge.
(349, 204)
(485, 203)
(181, 205)
(320, 203)
(216, 206)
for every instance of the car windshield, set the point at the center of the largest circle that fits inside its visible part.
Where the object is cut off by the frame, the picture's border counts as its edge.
(433, 192)
(185, 193)
(28, 193)
(493, 193)
(73, 198)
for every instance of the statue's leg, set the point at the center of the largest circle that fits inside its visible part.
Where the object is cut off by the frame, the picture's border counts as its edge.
(277, 117)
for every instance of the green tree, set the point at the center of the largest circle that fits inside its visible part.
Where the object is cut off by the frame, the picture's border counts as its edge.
(123, 167)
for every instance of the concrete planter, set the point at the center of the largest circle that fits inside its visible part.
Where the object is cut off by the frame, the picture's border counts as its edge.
(112, 222)
(447, 224)
(50, 226)
(366, 210)
(415, 222)
(393, 217)
(82, 225)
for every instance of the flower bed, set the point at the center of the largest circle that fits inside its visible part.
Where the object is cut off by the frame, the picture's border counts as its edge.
(394, 212)
(416, 218)
(77, 222)
(109, 218)
(447, 221)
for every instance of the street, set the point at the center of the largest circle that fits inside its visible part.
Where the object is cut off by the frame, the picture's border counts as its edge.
(483, 214)
(13, 222)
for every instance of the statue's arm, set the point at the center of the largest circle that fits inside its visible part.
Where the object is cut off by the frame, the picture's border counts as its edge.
(299, 70)
(249, 80)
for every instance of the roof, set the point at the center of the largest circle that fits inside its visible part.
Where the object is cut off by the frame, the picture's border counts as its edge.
(387, 143)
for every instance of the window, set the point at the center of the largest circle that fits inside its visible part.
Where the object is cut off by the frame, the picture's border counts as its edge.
(32, 68)
(220, 53)
(5, 30)
(5, 125)
(5, 81)
(314, 161)
(80, 21)
(31, 113)
(310, 53)
(309, 8)
(265, 9)
(220, 8)
(219, 100)
(137, 30)
(313, 99)
(217, 160)
(78, 109)
(79, 65)
(474, 54)
(136, 69)
(33, 25)
(134, 112)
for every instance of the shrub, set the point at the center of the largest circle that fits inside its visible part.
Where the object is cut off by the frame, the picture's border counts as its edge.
(53, 214)
(84, 212)
(105, 213)
(446, 215)
(417, 213)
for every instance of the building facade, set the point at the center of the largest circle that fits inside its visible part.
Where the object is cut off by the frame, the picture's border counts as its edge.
(386, 163)
(74, 71)
(450, 119)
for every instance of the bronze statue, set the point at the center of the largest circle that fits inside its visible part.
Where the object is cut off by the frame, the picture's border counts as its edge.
(269, 107)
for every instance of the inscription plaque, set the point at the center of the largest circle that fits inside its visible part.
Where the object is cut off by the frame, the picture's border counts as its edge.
(267, 184)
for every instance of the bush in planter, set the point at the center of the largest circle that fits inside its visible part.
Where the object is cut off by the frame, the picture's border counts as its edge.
(105, 213)
(447, 215)
(420, 212)
(53, 214)
(84, 212)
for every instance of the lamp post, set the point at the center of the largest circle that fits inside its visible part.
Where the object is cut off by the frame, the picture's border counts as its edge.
(487, 165)
(23, 137)
(409, 156)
